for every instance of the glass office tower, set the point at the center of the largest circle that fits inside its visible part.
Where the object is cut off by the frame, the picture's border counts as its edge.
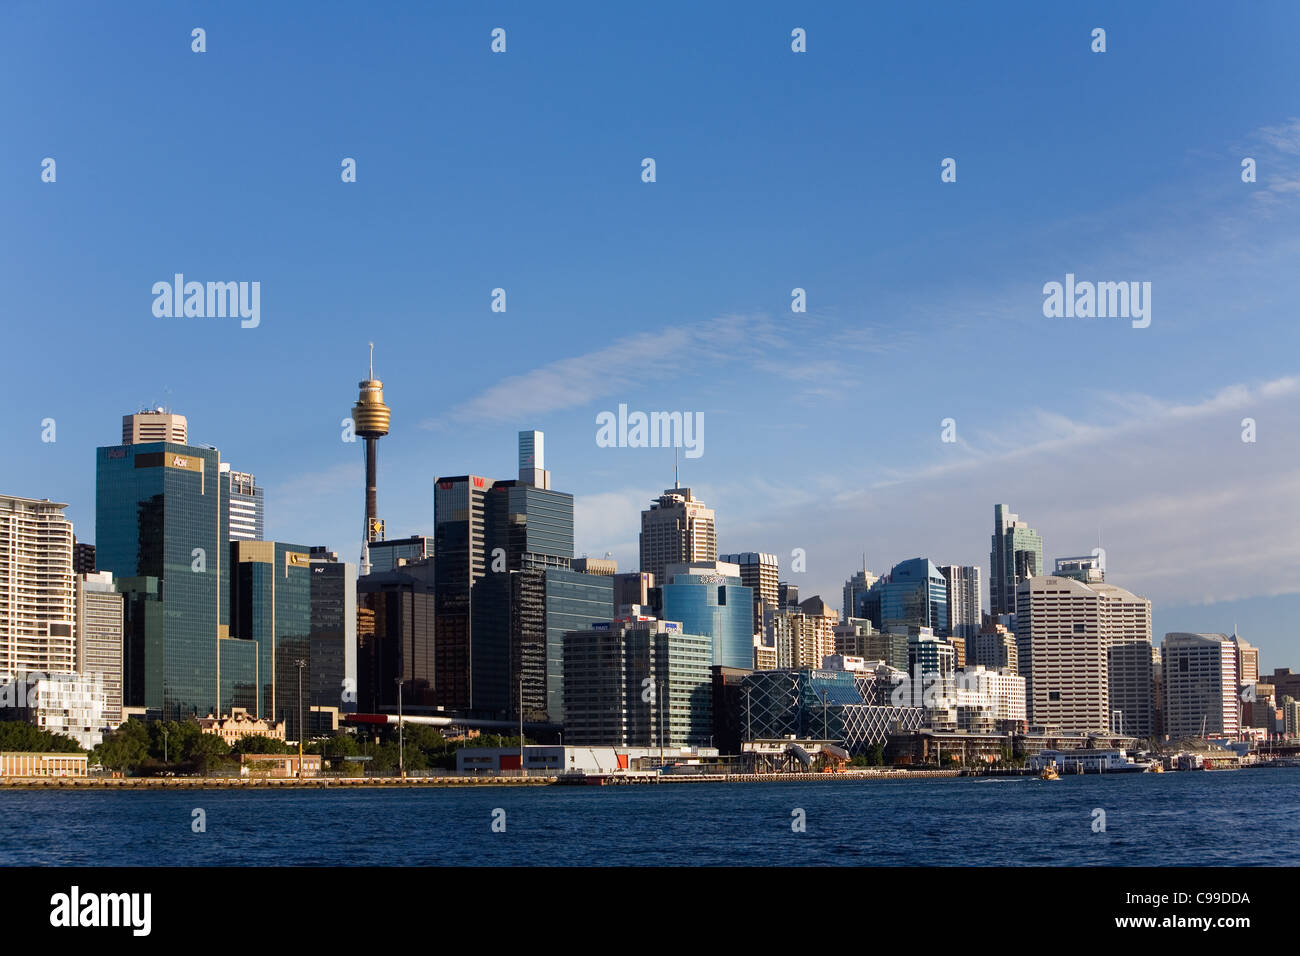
(717, 605)
(160, 516)
(915, 595)
(574, 602)
(271, 605)
(525, 528)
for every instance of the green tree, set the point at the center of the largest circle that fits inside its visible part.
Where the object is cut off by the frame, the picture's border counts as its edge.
(207, 751)
(258, 744)
(124, 749)
(21, 736)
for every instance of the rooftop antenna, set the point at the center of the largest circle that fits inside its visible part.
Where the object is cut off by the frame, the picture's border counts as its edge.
(677, 481)
(372, 360)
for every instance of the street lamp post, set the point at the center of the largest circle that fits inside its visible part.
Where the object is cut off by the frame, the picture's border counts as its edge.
(661, 725)
(401, 743)
(301, 664)
(521, 725)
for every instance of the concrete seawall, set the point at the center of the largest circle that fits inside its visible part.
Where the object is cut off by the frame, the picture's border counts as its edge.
(370, 783)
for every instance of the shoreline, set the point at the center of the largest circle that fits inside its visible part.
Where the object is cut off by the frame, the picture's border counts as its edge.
(384, 783)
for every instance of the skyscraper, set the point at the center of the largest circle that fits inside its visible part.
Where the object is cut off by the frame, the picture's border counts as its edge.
(371, 419)
(333, 649)
(859, 584)
(708, 598)
(1016, 554)
(915, 594)
(99, 638)
(759, 572)
(526, 527)
(37, 590)
(458, 518)
(397, 640)
(965, 599)
(1200, 685)
(270, 604)
(485, 530)
(151, 425)
(160, 528)
(245, 505)
(608, 671)
(532, 460)
(545, 604)
(387, 554)
(676, 529)
(1065, 632)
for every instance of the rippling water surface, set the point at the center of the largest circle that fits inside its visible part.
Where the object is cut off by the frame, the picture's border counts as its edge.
(1245, 817)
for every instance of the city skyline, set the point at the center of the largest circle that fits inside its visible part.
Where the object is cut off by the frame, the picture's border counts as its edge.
(824, 428)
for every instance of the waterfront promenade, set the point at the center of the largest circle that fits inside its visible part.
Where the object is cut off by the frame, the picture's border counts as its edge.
(462, 780)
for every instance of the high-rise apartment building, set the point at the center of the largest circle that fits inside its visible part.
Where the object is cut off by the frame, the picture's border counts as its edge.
(1016, 554)
(994, 647)
(802, 635)
(676, 529)
(965, 599)
(99, 638)
(38, 594)
(151, 425)
(1065, 631)
(83, 557)
(1200, 685)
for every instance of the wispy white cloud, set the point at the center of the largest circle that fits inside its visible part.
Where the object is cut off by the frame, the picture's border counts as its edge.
(757, 343)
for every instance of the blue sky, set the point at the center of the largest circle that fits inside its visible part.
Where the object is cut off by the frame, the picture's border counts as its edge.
(775, 170)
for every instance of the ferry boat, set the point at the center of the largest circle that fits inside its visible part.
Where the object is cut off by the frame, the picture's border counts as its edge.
(1087, 761)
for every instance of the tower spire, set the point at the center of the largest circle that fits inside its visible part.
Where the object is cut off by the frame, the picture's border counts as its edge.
(677, 481)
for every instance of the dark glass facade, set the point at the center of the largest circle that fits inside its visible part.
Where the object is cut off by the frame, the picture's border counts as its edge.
(397, 641)
(525, 529)
(458, 504)
(574, 602)
(271, 605)
(915, 594)
(160, 528)
(333, 638)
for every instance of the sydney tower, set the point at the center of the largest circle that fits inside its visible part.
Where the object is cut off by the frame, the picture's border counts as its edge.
(370, 418)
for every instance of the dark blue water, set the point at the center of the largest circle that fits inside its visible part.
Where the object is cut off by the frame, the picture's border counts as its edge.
(1246, 817)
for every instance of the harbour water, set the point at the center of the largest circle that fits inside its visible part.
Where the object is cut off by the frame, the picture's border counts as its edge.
(1228, 818)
